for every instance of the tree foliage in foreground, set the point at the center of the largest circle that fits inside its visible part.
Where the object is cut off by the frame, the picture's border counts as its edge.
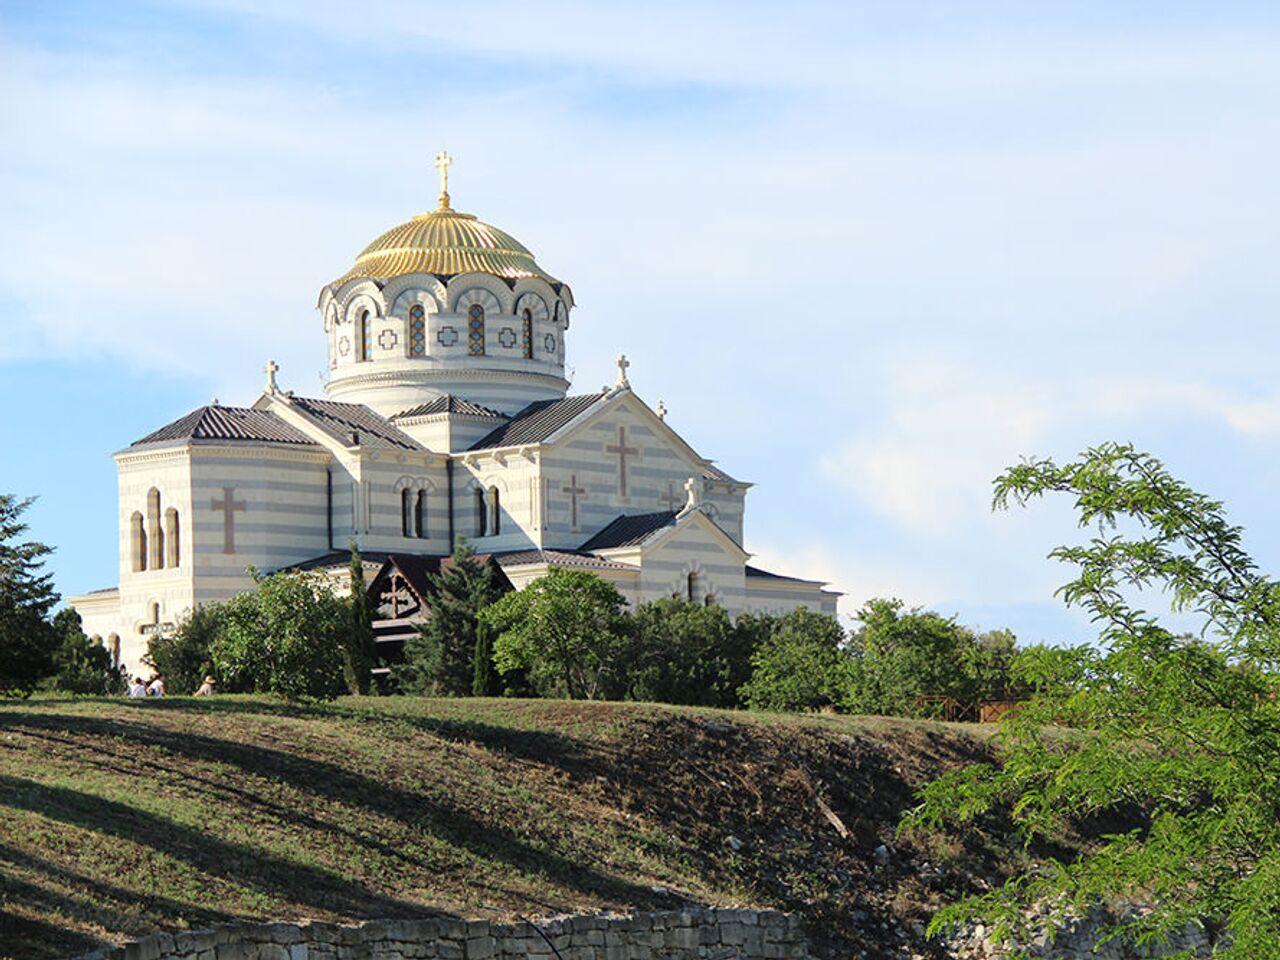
(1185, 729)
(183, 657)
(284, 637)
(800, 665)
(564, 631)
(442, 659)
(80, 665)
(26, 598)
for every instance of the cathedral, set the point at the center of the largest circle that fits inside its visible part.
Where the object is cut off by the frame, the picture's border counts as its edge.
(446, 414)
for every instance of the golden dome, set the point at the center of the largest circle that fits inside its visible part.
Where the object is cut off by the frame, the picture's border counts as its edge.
(445, 241)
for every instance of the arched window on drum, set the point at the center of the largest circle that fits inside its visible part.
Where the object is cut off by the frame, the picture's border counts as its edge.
(475, 330)
(362, 336)
(417, 331)
(526, 333)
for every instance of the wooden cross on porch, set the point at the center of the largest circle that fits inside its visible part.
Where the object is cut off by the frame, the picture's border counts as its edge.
(622, 451)
(397, 594)
(575, 492)
(228, 505)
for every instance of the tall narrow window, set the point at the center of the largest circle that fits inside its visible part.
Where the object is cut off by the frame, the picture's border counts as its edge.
(692, 587)
(406, 512)
(420, 514)
(155, 535)
(475, 330)
(495, 513)
(480, 511)
(173, 554)
(137, 543)
(526, 333)
(362, 336)
(417, 331)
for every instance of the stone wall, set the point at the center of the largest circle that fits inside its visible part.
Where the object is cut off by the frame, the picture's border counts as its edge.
(710, 934)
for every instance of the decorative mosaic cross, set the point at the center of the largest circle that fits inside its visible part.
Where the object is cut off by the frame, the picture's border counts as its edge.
(622, 451)
(574, 491)
(228, 505)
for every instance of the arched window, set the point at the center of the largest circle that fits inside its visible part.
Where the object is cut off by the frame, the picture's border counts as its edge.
(480, 511)
(362, 336)
(406, 512)
(137, 543)
(417, 331)
(475, 330)
(420, 514)
(526, 333)
(155, 535)
(173, 554)
(495, 513)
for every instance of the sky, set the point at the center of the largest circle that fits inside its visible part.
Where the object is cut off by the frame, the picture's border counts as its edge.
(867, 254)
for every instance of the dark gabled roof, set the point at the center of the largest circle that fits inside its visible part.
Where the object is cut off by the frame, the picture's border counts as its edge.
(759, 574)
(418, 569)
(448, 404)
(354, 424)
(333, 560)
(627, 531)
(576, 559)
(227, 423)
(537, 421)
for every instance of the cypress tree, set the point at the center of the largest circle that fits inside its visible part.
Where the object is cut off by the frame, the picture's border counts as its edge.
(358, 650)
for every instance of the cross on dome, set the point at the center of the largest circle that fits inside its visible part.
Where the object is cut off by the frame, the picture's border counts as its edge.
(442, 164)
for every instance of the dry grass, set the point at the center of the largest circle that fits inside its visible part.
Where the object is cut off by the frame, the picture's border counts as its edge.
(119, 817)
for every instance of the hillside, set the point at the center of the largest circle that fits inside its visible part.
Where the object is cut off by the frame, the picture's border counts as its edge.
(120, 817)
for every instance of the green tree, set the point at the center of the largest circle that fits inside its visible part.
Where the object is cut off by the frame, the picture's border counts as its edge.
(484, 676)
(358, 643)
(691, 653)
(27, 639)
(902, 656)
(802, 665)
(1185, 730)
(79, 664)
(441, 659)
(283, 637)
(184, 657)
(566, 631)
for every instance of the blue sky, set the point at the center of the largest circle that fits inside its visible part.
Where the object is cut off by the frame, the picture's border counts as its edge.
(866, 254)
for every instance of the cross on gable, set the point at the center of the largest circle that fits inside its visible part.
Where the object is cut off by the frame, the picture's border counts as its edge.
(622, 451)
(228, 505)
(270, 370)
(622, 363)
(575, 492)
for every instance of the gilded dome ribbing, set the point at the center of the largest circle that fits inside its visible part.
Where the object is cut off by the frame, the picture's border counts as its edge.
(445, 241)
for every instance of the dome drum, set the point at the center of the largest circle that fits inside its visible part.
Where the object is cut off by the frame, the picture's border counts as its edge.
(446, 304)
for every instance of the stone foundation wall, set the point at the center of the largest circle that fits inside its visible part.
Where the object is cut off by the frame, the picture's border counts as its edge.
(710, 934)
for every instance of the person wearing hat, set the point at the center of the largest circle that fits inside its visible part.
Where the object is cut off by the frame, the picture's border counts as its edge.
(206, 688)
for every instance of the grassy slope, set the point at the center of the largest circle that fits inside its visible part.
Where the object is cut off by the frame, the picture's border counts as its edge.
(119, 817)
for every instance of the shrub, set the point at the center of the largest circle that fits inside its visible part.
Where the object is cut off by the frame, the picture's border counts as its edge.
(801, 665)
(565, 631)
(185, 656)
(284, 637)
